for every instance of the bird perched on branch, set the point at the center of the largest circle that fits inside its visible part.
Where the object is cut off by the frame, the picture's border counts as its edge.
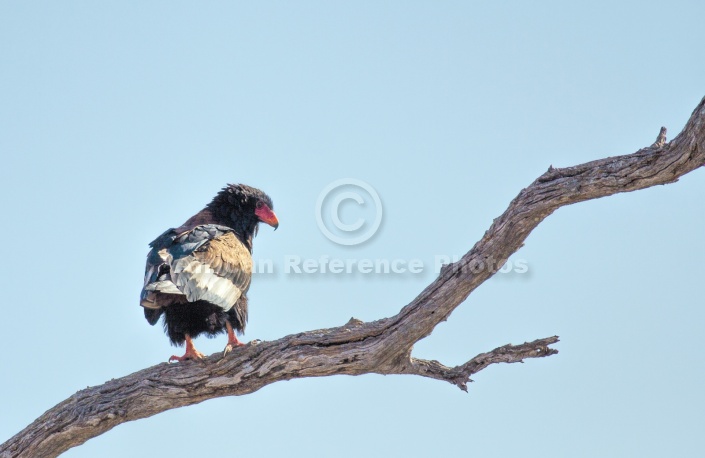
(198, 274)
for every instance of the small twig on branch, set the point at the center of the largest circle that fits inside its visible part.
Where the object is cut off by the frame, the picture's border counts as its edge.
(382, 346)
(661, 139)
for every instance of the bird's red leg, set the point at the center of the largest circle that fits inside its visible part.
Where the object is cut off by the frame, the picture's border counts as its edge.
(191, 352)
(232, 340)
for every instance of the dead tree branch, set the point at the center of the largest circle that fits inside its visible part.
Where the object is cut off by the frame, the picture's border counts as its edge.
(383, 346)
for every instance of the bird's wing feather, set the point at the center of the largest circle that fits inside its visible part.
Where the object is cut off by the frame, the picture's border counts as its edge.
(158, 290)
(207, 263)
(211, 264)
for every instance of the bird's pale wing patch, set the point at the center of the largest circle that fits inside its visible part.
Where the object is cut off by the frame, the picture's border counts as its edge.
(218, 271)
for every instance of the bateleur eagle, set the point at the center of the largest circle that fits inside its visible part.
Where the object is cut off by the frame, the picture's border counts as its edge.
(198, 274)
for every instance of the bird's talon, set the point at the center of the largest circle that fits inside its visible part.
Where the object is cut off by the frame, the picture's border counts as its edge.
(191, 353)
(180, 359)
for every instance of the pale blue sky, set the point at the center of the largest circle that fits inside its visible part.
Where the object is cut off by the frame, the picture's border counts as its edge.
(122, 119)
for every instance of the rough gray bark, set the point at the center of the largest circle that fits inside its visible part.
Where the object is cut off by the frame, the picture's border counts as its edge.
(383, 346)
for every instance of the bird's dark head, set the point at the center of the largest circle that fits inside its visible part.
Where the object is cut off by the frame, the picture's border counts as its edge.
(242, 207)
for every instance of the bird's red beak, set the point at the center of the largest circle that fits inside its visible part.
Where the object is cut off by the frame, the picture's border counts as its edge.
(266, 215)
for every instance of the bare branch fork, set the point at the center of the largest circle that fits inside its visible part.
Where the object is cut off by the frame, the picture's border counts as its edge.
(383, 346)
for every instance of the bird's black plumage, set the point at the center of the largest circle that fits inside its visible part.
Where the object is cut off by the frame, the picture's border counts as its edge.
(197, 275)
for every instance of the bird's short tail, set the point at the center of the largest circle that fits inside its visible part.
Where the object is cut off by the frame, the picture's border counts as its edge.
(152, 315)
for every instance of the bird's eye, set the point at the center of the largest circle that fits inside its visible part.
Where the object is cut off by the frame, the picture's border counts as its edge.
(259, 204)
